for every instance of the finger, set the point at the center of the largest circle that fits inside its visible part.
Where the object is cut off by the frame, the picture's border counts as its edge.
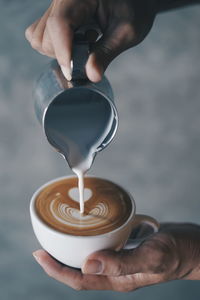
(69, 276)
(114, 41)
(150, 257)
(29, 31)
(47, 46)
(37, 35)
(61, 35)
(67, 16)
(76, 280)
(110, 263)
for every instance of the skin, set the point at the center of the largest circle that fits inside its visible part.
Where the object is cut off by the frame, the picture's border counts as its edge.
(53, 33)
(123, 23)
(172, 253)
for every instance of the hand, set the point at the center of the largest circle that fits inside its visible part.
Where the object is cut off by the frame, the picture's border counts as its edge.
(172, 253)
(124, 23)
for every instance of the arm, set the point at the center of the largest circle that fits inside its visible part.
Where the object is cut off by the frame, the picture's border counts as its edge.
(164, 5)
(172, 253)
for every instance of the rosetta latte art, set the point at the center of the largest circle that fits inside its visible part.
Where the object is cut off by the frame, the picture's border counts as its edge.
(65, 214)
(108, 207)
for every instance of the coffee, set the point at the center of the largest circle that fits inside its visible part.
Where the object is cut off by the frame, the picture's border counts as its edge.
(107, 206)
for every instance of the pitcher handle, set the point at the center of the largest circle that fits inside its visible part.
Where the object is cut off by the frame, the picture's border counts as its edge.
(81, 50)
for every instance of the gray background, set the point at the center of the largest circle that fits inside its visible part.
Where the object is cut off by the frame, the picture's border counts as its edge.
(155, 154)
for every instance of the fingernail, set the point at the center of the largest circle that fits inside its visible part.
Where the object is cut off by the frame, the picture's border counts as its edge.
(92, 267)
(66, 72)
(36, 257)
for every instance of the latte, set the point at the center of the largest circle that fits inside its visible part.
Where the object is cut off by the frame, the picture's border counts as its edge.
(107, 206)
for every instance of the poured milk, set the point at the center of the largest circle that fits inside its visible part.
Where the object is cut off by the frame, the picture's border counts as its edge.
(77, 125)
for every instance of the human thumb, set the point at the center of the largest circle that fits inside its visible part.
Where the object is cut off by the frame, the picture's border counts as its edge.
(112, 263)
(114, 41)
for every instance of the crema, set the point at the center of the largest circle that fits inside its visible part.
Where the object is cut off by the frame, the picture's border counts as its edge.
(107, 206)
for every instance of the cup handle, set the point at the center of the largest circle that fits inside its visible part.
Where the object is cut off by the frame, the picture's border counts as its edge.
(138, 220)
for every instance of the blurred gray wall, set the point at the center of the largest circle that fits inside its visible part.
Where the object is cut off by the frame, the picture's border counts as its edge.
(155, 154)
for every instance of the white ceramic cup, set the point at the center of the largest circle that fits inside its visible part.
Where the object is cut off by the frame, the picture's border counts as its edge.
(73, 250)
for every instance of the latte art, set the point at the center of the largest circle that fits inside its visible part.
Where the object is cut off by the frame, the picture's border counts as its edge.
(107, 208)
(72, 216)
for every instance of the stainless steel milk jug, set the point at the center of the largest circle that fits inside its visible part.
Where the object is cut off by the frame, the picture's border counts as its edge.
(52, 88)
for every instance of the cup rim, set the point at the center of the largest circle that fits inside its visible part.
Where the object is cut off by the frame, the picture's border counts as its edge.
(34, 213)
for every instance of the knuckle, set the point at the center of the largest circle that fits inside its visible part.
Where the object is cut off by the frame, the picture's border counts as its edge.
(50, 273)
(28, 33)
(118, 270)
(113, 264)
(160, 256)
(126, 34)
(78, 286)
(78, 283)
(35, 43)
(129, 30)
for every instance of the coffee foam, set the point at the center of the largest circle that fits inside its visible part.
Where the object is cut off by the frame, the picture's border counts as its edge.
(107, 208)
(71, 216)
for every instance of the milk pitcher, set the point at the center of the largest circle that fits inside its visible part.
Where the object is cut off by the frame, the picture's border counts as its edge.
(77, 115)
